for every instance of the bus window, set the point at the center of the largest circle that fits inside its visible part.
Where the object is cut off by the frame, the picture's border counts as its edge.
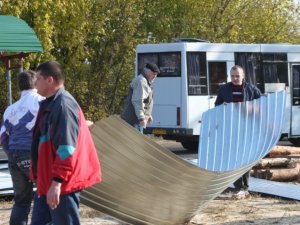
(217, 76)
(250, 61)
(196, 73)
(275, 68)
(169, 63)
(144, 58)
(296, 85)
(261, 68)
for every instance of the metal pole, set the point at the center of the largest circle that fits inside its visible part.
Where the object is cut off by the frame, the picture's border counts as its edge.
(20, 64)
(8, 78)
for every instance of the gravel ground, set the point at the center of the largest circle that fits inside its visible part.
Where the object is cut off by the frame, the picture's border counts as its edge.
(257, 210)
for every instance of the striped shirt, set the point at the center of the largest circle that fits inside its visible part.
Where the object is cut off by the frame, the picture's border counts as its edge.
(237, 93)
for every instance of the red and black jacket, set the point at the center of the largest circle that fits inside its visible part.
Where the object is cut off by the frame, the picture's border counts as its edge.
(62, 146)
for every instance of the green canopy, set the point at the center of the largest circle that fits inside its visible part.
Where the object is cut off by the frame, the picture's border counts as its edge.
(17, 36)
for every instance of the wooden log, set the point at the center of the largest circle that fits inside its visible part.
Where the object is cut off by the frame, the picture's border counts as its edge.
(284, 150)
(276, 174)
(279, 152)
(276, 163)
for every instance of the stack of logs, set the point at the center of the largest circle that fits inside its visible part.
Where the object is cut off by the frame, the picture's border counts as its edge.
(281, 164)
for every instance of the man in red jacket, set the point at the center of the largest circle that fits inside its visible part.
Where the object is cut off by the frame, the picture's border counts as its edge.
(64, 158)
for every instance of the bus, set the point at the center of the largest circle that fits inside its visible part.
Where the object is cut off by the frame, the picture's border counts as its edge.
(192, 71)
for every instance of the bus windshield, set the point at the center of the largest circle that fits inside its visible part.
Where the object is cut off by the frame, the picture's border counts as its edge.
(169, 63)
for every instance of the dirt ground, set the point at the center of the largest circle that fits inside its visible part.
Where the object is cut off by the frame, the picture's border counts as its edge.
(258, 210)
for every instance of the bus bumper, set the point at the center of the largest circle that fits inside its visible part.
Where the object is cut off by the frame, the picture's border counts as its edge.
(160, 131)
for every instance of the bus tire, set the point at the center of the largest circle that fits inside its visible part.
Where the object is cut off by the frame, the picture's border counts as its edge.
(190, 145)
(295, 141)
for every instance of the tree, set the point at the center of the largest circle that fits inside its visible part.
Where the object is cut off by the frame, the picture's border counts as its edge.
(96, 40)
(238, 21)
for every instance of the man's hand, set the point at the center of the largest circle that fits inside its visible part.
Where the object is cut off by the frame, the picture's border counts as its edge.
(89, 123)
(143, 123)
(150, 119)
(53, 194)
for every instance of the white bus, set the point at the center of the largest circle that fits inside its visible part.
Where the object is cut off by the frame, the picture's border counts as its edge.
(191, 72)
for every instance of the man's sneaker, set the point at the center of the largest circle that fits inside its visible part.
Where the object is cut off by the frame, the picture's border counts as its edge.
(241, 194)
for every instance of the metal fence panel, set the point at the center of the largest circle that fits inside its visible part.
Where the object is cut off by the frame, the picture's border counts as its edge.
(238, 134)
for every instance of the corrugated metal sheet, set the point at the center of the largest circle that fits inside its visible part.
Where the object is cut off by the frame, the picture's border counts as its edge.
(6, 187)
(17, 36)
(3, 166)
(144, 183)
(3, 156)
(239, 134)
(281, 189)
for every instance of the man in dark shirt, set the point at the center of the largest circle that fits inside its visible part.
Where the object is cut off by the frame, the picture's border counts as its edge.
(238, 90)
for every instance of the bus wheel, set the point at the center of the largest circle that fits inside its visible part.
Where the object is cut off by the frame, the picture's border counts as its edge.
(295, 141)
(190, 145)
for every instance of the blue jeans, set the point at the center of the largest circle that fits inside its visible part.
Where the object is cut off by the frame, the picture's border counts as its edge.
(66, 213)
(19, 166)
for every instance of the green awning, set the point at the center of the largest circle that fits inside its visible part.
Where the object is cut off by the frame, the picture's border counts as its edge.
(17, 36)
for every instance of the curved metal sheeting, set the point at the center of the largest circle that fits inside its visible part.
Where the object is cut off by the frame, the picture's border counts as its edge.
(144, 183)
(238, 134)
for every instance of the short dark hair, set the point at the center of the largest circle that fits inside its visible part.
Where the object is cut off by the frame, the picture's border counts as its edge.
(236, 67)
(53, 69)
(26, 80)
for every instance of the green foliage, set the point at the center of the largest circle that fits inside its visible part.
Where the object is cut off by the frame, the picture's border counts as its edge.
(112, 40)
(96, 40)
(239, 21)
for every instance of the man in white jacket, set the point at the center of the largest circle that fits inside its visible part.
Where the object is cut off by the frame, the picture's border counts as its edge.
(139, 105)
(16, 138)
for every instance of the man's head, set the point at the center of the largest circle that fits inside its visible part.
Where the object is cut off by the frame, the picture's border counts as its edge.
(237, 75)
(26, 80)
(151, 70)
(49, 78)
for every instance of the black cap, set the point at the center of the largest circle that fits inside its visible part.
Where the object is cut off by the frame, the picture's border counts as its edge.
(153, 67)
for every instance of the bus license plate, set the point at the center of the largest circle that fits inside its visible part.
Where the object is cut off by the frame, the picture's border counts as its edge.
(159, 131)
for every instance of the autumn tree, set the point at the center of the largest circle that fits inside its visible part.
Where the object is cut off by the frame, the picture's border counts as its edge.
(239, 21)
(95, 40)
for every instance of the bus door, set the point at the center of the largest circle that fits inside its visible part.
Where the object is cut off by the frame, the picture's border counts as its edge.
(217, 73)
(295, 114)
(197, 90)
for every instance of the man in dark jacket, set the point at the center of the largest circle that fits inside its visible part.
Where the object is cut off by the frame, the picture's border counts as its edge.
(238, 90)
(64, 158)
